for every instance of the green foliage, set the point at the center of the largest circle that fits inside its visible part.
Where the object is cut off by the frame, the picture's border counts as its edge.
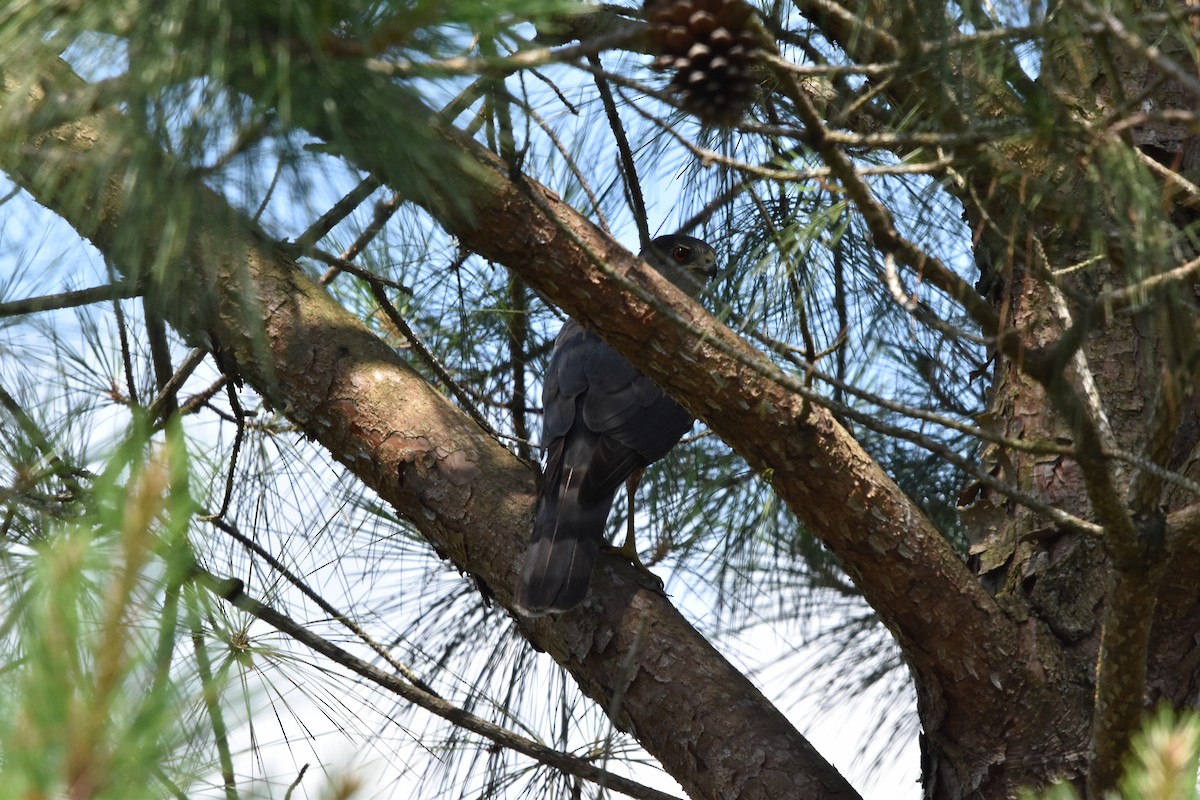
(90, 704)
(1161, 766)
(1163, 763)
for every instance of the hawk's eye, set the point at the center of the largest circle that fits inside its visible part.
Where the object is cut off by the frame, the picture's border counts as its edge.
(681, 253)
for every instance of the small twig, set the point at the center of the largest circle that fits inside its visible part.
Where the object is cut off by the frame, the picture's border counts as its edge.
(873, 37)
(166, 781)
(123, 338)
(164, 404)
(296, 783)
(384, 210)
(526, 59)
(1162, 473)
(342, 265)
(830, 70)
(501, 112)
(341, 209)
(1183, 527)
(462, 101)
(262, 206)
(246, 139)
(895, 288)
(1171, 116)
(238, 437)
(1190, 190)
(79, 297)
(1187, 79)
(165, 647)
(427, 356)
(574, 167)
(170, 387)
(912, 412)
(767, 172)
(277, 565)
(233, 592)
(1138, 292)
(64, 472)
(1083, 371)
(212, 702)
(517, 322)
(1145, 491)
(717, 203)
(839, 302)
(989, 132)
(562, 98)
(633, 188)
(879, 221)
(198, 400)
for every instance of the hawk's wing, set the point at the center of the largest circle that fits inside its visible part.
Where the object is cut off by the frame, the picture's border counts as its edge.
(603, 421)
(592, 389)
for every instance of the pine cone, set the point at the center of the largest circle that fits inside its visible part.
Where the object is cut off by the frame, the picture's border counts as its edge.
(711, 49)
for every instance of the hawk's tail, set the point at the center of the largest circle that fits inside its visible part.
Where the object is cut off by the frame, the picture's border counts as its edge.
(566, 540)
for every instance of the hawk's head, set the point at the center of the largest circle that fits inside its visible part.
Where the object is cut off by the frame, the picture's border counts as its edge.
(684, 260)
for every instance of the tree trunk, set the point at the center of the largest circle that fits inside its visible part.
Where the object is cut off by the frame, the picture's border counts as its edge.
(1034, 211)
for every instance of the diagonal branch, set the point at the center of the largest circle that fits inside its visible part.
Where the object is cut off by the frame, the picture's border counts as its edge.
(468, 496)
(334, 216)
(879, 220)
(900, 561)
(633, 186)
(232, 591)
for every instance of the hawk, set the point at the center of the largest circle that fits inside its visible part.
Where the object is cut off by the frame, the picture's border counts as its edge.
(603, 423)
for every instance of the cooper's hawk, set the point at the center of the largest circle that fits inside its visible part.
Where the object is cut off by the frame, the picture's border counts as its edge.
(603, 422)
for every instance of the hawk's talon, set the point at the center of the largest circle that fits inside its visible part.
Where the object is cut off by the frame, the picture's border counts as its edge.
(628, 551)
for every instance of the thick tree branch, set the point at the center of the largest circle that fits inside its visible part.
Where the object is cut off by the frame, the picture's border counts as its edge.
(900, 561)
(1134, 542)
(468, 495)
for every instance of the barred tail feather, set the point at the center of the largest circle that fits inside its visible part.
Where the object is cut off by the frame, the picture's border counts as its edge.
(566, 541)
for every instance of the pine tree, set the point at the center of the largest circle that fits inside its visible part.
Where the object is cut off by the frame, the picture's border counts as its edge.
(279, 283)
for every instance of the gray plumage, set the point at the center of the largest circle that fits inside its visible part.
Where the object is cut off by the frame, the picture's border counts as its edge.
(603, 421)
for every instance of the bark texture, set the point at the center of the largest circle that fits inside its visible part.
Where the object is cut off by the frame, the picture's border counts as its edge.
(709, 726)
(1078, 599)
